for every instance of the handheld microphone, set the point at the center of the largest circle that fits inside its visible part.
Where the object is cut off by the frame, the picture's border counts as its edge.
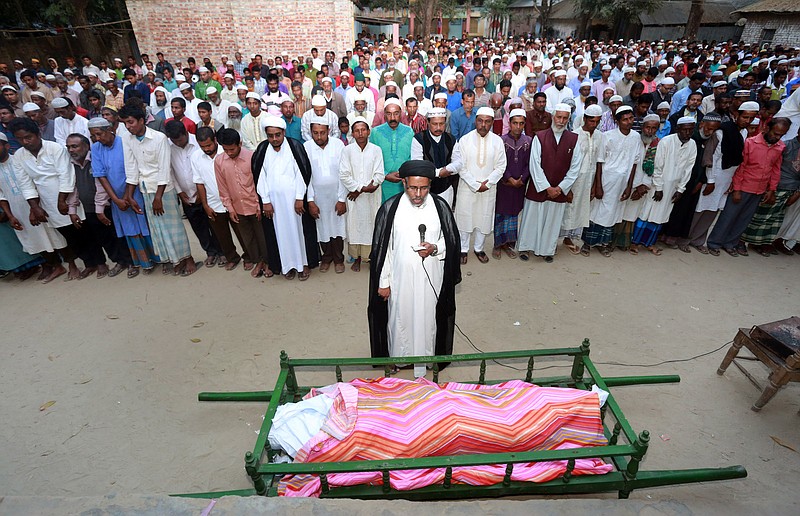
(422, 229)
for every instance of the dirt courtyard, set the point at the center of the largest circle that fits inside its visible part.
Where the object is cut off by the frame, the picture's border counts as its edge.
(100, 377)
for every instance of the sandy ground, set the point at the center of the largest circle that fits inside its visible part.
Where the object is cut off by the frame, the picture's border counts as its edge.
(123, 360)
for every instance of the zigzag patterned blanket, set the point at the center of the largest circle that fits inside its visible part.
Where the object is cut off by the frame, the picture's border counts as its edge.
(389, 418)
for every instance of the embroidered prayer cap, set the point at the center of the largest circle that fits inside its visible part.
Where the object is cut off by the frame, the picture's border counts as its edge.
(30, 106)
(98, 122)
(742, 93)
(59, 102)
(273, 121)
(749, 106)
(615, 98)
(392, 102)
(593, 110)
(663, 105)
(516, 112)
(210, 90)
(564, 108)
(719, 84)
(319, 120)
(686, 120)
(419, 168)
(652, 117)
(318, 101)
(623, 109)
(485, 111)
(712, 117)
(436, 113)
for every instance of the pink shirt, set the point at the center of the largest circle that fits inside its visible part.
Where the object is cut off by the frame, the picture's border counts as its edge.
(237, 190)
(760, 170)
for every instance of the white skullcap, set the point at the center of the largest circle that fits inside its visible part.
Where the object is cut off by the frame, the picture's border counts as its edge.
(686, 120)
(38, 94)
(718, 73)
(202, 69)
(662, 62)
(345, 72)
(593, 110)
(210, 90)
(626, 69)
(783, 61)
(19, 61)
(273, 121)
(485, 111)
(516, 112)
(652, 117)
(747, 62)
(641, 63)
(235, 106)
(579, 57)
(30, 106)
(318, 101)
(392, 102)
(388, 74)
(390, 83)
(359, 119)
(227, 76)
(252, 95)
(98, 122)
(756, 121)
(435, 74)
(663, 105)
(184, 86)
(68, 71)
(418, 84)
(241, 87)
(537, 63)
(180, 77)
(719, 84)
(669, 81)
(59, 102)
(562, 107)
(560, 73)
(51, 77)
(586, 83)
(623, 109)
(327, 79)
(615, 98)
(749, 106)
(3, 137)
(609, 87)
(8, 87)
(606, 67)
(437, 112)
(319, 120)
(440, 96)
(669, 70)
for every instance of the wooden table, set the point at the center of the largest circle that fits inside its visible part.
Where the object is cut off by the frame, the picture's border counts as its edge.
(776, 345)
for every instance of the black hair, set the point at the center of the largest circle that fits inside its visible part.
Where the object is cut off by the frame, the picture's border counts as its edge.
(174, 129)
(180, 100)
(228, 137)
(23, 124)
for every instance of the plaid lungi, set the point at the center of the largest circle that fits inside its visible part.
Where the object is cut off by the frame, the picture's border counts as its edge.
(167, 231)
(645, 233)
(596, 234)
(764, 226)
(505, 229)
(622, 234)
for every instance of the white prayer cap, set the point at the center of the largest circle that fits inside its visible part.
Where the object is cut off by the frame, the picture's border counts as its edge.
(686, 120)
(92, 74)
(516, 112)
(40, 74)
(718, 73)
(560, 73)
(184, 86)
(202, 69)
(180, 77)
(117, 59)
(749, 106)
(579, 57)
(318, 101)
(38, 94)
(436, 113)
(19, 61)
(241, 87)
(3, 138)
(59, 102)
(50, 77)
(453, 77)
(252, 95)
(392, 102)
(641, 63)
(783, 61)
(669, 69)
(662, 62)
(390, 83)
(593, 110)
(68, 71)
(606, 67)
(8, 87)
(615, 98)
(327, 79)
(345, 72)
(756, 121)
(440, 96)
(485, 111)
(30, 106)
(273, 121)
(564, 108)
(747, 62)
(359, 119)
(98, 122)
(719, 84)
(435, 74)
(623, 109)
(663, 105)
(652, 117)
(669, 81)
(227, 76)
(237, 107)
(210, 90)
(319, 120)
(285, 100)
(586, 83)
(626, 69)
(388, 74)
(537, 63)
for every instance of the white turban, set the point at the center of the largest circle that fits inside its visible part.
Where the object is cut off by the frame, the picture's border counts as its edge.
(485, 111)
(273, 121)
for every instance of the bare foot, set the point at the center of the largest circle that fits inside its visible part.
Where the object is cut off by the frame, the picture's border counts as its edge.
(22, 276)
(54, 273)
(45, 272)
(85, 273)
(102, 271)
(74, 272)
(356, 265)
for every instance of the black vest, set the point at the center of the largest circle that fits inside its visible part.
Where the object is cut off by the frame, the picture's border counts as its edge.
(732, 145)
(439, 154)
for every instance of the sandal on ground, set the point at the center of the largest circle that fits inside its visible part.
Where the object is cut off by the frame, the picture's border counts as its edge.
(222, 261)
(464, 257)
(134, 271)
(167, 269)
(701, 249)
(742, 250)
(356, 267)
(763, 251)
(290, 275)
(548, 259)
(633, 250)
(149, 271)
(605, 251)
(585, 250)
(248, 266)
(731, 252)
(780, 246)
(496, 253)
(481, 256)
(116, 270)
(510, 252)
(302, 276)
(684, 248)
(655, 250)
(185, 272)
(525, 256)
(210, 261)
(713, 251)
(574, 249)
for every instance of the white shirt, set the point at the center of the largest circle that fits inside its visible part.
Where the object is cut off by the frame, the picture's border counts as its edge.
(147, 162)
(333, 124)
(556, 96)
(63, 128)
(181, 165)
(252, 133)
(203, 174)
(357, 169)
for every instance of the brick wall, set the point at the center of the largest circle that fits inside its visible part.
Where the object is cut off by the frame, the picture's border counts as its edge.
(787, 28)
(210, 28)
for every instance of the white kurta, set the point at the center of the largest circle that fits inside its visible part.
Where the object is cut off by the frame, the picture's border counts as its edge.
(412, 303)
(325, 188)
(281, 184)
(357, 169)
(252, 133)
(621, 152)
(482, 159)
(576, 214)
(720, 177)
(45, 176)
(631, 209)
(556, 96)
(673, 169)
(63, 128)
(34, 239)
(330, 116)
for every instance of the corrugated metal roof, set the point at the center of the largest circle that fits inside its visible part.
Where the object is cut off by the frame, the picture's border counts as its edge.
(564, 10)
(772, 6)
(677, 13)
(521, 4)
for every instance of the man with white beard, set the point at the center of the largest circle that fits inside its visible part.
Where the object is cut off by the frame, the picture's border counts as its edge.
(159, 103)
(559, 92)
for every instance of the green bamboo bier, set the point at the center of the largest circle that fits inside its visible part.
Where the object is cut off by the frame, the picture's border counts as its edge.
(625, 448)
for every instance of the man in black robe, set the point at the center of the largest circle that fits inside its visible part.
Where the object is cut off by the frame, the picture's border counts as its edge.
(414, 268)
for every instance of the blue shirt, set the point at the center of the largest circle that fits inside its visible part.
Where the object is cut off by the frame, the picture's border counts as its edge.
(679, 100)
(664, 131)
(141, 88)
(453, 100)
(293, 128)
(460, 124)
(12, 142)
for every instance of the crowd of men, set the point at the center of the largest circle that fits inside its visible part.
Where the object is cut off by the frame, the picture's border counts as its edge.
(593, 144)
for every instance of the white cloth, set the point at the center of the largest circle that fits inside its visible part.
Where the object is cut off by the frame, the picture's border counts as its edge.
(281, 184)
(592, 146)
(63, 128)
(229, 94)
(325, 188)
(791, 110)
(556, 96)
(412, 302)
(34, 239)
(191, 110)
(357, 169)
(621, 152)
(220, 113)
(790, 229)
(330, 116)
(539, 226)
(147, 162)
(294, 424)
(482, 159)
(673, 168)
(252, 133)
(369, 116)
(181, 167)
(720, 177)
(631, 209)
(203, 174)
(45, 176)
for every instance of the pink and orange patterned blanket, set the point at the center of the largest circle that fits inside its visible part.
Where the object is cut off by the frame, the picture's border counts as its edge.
(390, 418)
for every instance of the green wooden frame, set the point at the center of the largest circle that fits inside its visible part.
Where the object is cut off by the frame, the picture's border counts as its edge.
(625, 449)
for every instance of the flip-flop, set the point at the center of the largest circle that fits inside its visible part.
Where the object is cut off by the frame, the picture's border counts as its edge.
(248, 266)
(222, 261)
(633, 250)
(210, 261)
(481, 256)
(713, 251)
(510, 252)
(149, 271)
(585, 250)
(574, 249)
(229, 266)
(496, 253)
(655, 250)
(732, 252)
(197, 266)
(268, 273)
(684, 248)
(116, 270)
(290, 275)
(302, 276)
(701, 249)
(167, 269)
(133, 272)
(85, 273)
(605, 251)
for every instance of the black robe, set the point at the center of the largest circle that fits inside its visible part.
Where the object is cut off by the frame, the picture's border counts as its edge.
(680, 219)
(378, 309)
(309, 224)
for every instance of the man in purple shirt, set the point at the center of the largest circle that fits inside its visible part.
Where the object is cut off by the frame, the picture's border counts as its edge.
(511, 188)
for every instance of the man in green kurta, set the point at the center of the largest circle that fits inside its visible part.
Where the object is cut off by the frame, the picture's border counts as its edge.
(204, 83)
(394, 140)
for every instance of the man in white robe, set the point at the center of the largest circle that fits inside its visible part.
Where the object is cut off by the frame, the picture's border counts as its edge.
(483, 162)
(361, 173)
(592, 145)
(252, 123)
(558, 92)
(282, 190)
(319, 109)
(326, 194)
(555, 163)
(68, 121)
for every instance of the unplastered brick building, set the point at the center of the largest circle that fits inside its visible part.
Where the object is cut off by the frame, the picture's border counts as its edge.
(211, 28)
